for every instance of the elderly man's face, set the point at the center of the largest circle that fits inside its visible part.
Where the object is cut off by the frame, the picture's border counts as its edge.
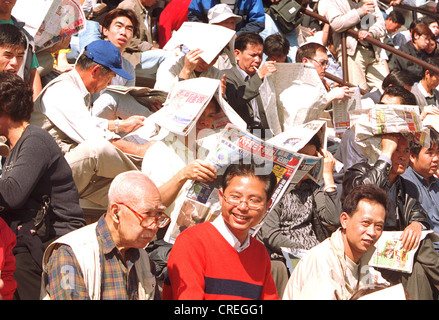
(250, 59)
(132, 234)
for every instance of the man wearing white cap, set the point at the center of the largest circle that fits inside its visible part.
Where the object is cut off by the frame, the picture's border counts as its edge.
(92, 146)
(251, 11)
(222, 15)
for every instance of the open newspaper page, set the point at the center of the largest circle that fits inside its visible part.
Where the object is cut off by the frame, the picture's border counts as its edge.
(395, 292)
(183, 107)
(292, 95)
(295, 138)
(370, 124)
(201, 202)
(341, 109)
(48, 20)
(389, 253)
(215, 38)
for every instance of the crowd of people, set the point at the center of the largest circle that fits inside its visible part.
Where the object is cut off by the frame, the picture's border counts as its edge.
(63, 148)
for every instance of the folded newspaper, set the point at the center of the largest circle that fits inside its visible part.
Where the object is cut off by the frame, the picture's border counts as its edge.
(389, 253)
(369, 124)
(210, 38)
(48, 20)
(201, 202)
(341, 109)
(293, 95)
(150, 98)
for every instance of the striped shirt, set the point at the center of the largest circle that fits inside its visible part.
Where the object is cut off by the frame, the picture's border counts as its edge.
(118, 277)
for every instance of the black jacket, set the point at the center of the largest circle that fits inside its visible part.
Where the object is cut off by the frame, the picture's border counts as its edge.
(408, 209)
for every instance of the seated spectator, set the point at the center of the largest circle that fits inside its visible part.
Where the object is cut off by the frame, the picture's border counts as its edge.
(315, 54)
(8, 241)
(423, 165)
(334, 268)
(406, 214)
(118, 27)
(35, 177)
(251, 10)
(222, 15)
(427, 96)
(421, 36)
(195, 267)
(292, 223)
(91, 145)
(29, 73)
(349, 153)
(106, 260)
(13, 45)
(244, 80)
(276, 48)
(142, 52)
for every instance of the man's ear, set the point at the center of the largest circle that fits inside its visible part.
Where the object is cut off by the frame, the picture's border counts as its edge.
(114, 213)
(95, 70)
(104, 32)
(344, 219)
(220, 196)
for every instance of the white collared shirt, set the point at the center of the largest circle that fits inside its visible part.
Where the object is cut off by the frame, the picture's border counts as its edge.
(64, 105)
(222, 228)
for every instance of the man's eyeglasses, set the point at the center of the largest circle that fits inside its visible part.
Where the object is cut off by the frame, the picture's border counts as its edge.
(252, 204)
(161, 219)
(323, 64)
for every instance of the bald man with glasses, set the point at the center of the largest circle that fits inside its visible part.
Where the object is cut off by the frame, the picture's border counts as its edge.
(106, 260)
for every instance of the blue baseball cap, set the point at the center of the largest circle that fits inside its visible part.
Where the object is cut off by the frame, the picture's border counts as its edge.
(108, 55)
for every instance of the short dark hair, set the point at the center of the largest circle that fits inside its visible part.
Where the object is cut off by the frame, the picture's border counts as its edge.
(276, 45)
(309, 50)
(247, 37)
(416, 147)
(16, 98)
(407, 98)
(397, 17)
(118, 12)
(434, 61)
(370, 192)
(246, 170)
(12, 36)
(422, 29)
(399, 78)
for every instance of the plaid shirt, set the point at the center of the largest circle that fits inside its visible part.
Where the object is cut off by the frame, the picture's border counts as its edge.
(118, 277)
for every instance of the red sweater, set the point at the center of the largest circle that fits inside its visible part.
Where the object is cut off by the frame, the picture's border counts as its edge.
(7, 260)
(203, 265)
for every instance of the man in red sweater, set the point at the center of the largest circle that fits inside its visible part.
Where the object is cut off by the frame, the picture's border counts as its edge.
(220, 260)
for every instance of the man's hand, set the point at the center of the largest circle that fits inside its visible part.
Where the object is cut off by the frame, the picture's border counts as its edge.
(389, 144)
(267, 67)
(131, 123)
(363, 34)
(191, 60)
(411, 236)
(199, 170)
(395, 2)
(368, 7)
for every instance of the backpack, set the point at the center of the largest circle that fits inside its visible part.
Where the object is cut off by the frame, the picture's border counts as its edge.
(287, 14)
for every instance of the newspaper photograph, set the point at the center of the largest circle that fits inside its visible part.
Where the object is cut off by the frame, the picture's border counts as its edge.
(201, 202)
(389, 253)
(48, 20)
(370, 124)
(295, 93)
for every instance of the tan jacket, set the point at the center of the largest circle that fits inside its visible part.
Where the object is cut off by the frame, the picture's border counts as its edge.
(341, 18)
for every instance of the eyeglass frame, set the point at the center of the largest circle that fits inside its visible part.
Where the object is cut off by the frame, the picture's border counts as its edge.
(325, 65)
(141, 218)
(241, 201)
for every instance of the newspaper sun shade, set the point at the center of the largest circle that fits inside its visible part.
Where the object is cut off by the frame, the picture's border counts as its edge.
(201, 202)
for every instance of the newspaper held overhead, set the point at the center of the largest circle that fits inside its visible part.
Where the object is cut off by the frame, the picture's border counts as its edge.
(293, 95)
(370, 124)
(201, 202)
(389, 253)
(208, 37)
(48, 20)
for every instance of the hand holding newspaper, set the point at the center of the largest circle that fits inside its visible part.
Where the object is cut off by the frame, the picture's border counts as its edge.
(48, 20)
(389, 253)
(369, 124)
